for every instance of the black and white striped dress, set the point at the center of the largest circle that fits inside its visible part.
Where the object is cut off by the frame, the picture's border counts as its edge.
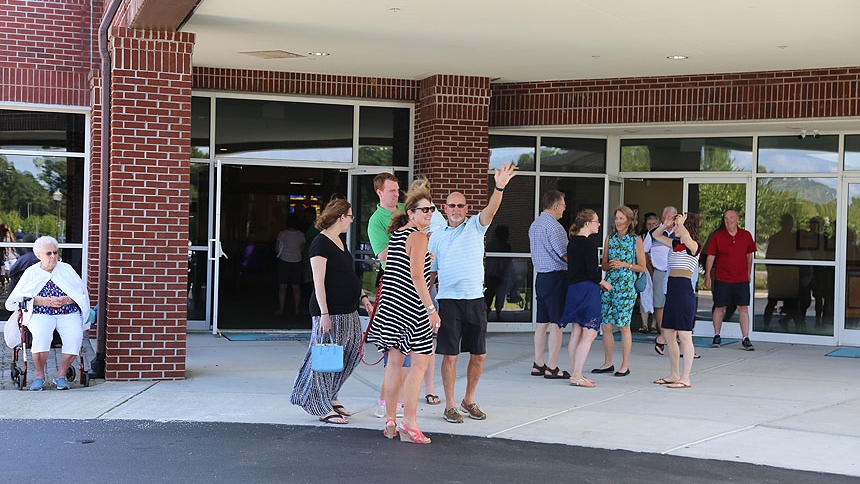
(401, 319)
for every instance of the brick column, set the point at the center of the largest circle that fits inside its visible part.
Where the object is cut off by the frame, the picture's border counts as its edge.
(452, 135)
(149, 180)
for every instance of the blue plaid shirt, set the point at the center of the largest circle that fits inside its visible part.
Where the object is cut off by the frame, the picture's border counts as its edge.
(548, 242)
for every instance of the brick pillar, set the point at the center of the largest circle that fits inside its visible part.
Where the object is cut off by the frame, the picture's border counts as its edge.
(149, 180)
(452, 135)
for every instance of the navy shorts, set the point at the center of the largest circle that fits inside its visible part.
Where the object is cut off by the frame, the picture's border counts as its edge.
(550, 291)
(731, 294)
(464, 327)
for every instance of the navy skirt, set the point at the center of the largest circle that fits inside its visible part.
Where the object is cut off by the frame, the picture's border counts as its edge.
(582, 305)
(680, 311)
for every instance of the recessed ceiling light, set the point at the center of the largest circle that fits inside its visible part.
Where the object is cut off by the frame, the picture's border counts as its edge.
(782, 46)
(676, 57)
(318, 54)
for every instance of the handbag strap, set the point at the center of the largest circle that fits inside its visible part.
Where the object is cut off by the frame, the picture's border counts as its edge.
(369, 324)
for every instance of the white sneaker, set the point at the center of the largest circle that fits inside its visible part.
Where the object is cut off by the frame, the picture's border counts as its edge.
(380, 409)
(399, 411)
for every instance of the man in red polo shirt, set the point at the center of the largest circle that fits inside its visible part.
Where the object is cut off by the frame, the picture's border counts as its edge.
(734, 247)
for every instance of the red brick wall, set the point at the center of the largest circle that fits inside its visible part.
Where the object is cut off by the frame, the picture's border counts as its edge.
(48, 50)
(452, 134)
(272, 82)
(716, 97)
(149, 182)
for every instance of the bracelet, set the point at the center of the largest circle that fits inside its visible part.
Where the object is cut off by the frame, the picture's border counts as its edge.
(430, 310)
(363, 296)
(323, 314)
(500, 189)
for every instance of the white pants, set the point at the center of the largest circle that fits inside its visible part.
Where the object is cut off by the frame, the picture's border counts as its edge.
(69, 326)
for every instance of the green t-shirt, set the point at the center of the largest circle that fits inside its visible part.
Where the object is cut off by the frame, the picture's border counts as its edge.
(377, 228)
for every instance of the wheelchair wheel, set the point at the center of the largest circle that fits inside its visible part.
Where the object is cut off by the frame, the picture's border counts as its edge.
(86, 378)
(15, 374)
(71, 373)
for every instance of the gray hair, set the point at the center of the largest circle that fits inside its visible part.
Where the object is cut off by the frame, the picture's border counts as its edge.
(668, 209)
(42, 242)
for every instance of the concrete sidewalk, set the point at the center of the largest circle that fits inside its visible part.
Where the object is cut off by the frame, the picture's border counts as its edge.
(782, 405)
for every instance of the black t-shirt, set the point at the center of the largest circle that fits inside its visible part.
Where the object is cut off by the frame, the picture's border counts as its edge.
(342, 285)
(582, 261)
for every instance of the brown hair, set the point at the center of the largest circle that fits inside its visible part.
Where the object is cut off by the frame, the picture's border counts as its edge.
(631, 221)
(332, 211)
(583, 217)
(419, 190)
(692, 225)
(380, 179)
(550, 199)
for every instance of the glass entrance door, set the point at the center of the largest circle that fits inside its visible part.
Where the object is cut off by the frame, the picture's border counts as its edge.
(709, 198)
(850, 332)
(254, 204)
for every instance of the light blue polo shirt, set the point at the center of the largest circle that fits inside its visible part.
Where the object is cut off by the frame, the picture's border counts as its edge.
(459, 259)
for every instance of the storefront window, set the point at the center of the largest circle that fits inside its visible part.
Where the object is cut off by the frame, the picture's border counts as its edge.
(277, 130)
(794, 298)
(519, 150)
(793, 154)
(200, 120)
(578, 155)
(852, 152)
(686, 154)
(796, 218)
(579, 194)
(198, 217)
(516, 213)
(383, 136)
(509, 291)
(42, 192)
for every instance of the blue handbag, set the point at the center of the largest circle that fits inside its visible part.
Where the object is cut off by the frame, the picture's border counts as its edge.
(641, 282)
(327, 357)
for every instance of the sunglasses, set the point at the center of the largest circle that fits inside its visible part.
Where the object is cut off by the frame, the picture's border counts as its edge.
(49, 254)
(456, 205)
(431, 209)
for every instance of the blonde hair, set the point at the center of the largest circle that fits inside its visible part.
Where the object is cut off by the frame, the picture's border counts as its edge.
(419, 190)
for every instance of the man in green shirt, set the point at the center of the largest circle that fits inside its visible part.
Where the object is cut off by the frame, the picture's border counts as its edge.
(387, 188)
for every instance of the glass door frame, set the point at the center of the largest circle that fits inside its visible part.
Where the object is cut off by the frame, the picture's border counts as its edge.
(705, 327)
(843, 336)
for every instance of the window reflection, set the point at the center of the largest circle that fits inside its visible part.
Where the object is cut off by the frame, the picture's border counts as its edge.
(516, 212)
(42, 131)
(284, 130)
(200, 120)
(852, 152)
(792, 154)
(852, 257)
(792, 298)
(579, 194)
(508, 286)
(519, 150)
(687, 154)
(573, 155)
(799, 216)
(198, 216)
(383, 136)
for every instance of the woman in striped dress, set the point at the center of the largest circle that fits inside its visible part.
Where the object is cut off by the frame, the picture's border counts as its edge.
(679, 314)
(333, 307)
(405, 318)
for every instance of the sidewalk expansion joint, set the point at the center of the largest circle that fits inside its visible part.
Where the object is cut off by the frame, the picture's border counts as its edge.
(126, 400)
(708, 439)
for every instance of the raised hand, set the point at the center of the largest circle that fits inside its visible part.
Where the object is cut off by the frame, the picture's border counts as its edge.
(503, 176)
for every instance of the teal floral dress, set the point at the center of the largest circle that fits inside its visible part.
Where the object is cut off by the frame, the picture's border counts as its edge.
(617, 304)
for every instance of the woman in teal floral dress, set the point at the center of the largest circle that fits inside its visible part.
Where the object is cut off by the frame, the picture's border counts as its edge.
(623, 260)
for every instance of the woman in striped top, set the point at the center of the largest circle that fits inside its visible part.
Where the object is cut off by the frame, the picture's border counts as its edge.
(406, 319)
(680, 311)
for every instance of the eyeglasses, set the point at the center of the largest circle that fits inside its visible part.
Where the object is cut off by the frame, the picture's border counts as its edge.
(349, 215)
(456, 205)
(49, 254)
(594, 221)
(430, 209)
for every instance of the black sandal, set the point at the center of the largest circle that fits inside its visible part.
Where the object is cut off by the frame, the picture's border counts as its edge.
(554, 374)
(538, 370)
(660, 348)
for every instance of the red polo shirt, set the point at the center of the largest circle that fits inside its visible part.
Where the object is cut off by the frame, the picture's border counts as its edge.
(731, 255)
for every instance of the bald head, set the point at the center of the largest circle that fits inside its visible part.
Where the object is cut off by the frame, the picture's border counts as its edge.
(456, 209)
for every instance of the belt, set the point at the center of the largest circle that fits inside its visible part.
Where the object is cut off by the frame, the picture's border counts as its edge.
(681, 273)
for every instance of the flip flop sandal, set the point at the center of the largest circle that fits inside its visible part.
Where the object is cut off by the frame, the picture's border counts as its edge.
(643, 330)
(334, 419)
(660, 348)
(538, 370)
(432, 399)
(341, 410)
(556, 374)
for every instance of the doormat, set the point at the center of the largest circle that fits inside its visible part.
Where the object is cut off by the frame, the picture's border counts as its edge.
(267, 336)
(845, 353)
(698, 341)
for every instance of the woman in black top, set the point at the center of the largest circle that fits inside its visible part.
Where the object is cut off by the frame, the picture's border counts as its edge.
(582, 306)
(333, 307)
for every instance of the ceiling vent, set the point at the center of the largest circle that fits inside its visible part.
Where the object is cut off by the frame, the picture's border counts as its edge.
(272, 54)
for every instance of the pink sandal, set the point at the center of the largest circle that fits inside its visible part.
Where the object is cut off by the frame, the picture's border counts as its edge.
(390, 429)
(412, 435)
